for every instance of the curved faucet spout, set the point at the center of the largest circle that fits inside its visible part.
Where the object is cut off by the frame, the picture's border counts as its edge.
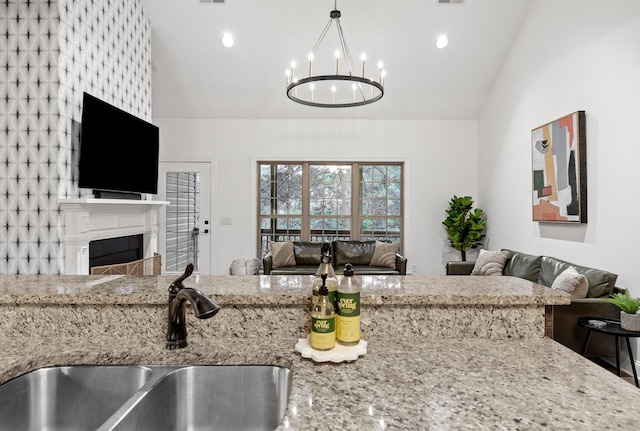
(203, 308)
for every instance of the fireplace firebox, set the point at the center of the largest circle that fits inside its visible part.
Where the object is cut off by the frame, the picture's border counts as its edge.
(115, 250)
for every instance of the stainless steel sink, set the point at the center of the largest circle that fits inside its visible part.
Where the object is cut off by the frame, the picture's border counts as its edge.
(220, 397)
(68, 398)
(104, 398)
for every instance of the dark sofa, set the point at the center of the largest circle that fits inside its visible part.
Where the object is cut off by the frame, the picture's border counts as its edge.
(544, 270)
(357, 253)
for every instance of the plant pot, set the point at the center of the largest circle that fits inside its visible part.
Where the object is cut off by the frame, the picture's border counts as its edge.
(630, 322)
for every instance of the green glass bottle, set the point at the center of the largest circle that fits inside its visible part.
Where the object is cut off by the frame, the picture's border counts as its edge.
(323, 321)
(348, 310)
(331, 281)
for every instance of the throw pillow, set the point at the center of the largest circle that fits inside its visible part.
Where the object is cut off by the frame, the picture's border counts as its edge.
(572, 282)
(282, 253)
(384, 254)
(490, 262)
(253, 266)
(245, 266)
(238, 267)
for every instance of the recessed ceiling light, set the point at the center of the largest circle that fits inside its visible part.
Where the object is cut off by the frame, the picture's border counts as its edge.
(227, 40)
(442, 41)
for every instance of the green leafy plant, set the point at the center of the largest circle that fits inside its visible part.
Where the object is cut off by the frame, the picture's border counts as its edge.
(624, 302)
(464, 225)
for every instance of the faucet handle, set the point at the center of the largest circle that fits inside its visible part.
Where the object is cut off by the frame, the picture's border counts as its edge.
(177, 285)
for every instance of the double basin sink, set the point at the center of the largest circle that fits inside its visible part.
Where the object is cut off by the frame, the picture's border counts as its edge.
(87, 397)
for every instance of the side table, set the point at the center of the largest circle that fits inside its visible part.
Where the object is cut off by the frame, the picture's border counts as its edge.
(610, 327)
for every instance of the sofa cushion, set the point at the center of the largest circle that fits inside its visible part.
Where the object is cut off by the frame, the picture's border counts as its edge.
(522, 265)
(600, 282)
(456, 267)
(307, 253)
(490, 263)
(282, 253)
(311, 270)
(295, 270)
(384, 254)
(572, 282)
(370, 270)
(353, 252)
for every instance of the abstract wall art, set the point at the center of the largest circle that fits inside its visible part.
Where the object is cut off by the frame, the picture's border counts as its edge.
(559, 163)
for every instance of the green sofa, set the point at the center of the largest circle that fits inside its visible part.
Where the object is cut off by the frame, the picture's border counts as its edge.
(357, 253)
(544, 270)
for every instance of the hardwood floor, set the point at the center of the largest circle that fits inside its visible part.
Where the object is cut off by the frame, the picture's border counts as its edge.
(623, 375)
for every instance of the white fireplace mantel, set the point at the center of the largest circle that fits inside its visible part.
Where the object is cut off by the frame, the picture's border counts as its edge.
(90, 219)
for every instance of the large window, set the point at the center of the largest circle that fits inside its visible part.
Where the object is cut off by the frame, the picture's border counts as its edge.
(326, 201)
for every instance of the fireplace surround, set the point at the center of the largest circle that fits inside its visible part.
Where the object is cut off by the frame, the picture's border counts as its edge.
(90, 219)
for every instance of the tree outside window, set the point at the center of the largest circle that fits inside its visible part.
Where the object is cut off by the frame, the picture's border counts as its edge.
(320, 202)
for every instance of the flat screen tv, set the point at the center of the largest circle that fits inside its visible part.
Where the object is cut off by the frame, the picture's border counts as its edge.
(118, 151)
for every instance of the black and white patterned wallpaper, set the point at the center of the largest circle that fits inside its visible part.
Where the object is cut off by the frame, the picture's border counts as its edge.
(50, 53)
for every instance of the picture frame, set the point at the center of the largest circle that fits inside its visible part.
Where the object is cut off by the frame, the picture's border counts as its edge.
(559, 170)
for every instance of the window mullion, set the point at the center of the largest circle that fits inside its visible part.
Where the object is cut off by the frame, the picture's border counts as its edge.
(305, 233)
(355, 198)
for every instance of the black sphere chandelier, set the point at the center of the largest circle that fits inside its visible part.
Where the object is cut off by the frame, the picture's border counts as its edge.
(335, 90)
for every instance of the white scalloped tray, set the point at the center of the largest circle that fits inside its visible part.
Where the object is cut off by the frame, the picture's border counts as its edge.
(338, 354)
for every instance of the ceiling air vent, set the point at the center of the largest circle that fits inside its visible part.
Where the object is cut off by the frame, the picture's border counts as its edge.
(212, 1)
(450, 2)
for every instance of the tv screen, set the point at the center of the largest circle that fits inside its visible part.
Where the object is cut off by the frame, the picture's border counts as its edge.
(118, 151)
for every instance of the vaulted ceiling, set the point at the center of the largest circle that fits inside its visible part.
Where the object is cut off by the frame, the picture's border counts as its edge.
(195, 76)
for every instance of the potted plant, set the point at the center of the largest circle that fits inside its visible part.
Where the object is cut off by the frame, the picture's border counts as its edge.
(465, 226)
(629, 308)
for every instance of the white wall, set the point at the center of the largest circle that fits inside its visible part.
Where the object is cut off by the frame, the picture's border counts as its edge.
(569, 55)
(440, 160)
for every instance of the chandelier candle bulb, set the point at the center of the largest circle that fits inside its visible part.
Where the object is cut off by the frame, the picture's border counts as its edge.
(363, 57)
(337, 58)
(310, 60)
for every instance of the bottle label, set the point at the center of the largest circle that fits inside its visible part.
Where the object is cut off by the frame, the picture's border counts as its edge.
(348, 317)
(348, 304)
(348, 329)
(323, 333)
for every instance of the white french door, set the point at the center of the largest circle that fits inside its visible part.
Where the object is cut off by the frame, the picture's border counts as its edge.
(185, 225)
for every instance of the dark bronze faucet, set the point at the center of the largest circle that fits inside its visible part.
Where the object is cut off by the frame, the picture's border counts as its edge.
(203, 308)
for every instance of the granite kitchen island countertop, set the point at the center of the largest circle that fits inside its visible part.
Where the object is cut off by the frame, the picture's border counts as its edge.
(280, 290)
(410, 384)
(485, 375)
